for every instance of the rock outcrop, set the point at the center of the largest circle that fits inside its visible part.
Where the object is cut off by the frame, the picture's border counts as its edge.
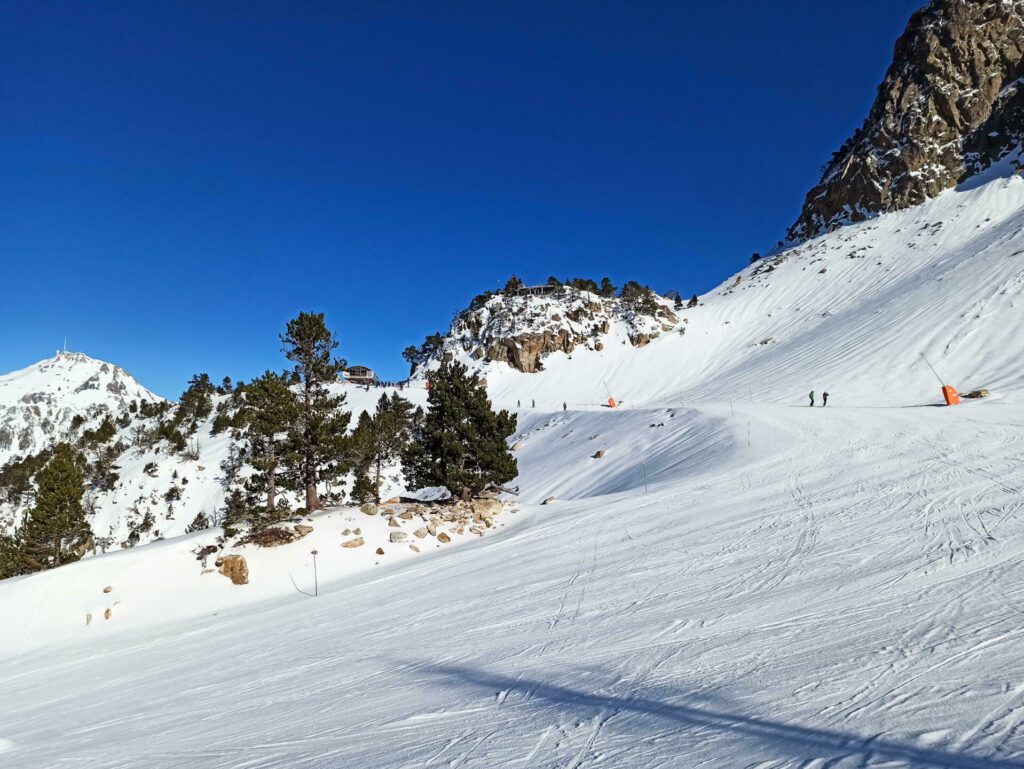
(234, 568)
(951, 105)
(521, 330)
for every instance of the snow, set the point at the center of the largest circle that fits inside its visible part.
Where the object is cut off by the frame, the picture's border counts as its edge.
(739, 581)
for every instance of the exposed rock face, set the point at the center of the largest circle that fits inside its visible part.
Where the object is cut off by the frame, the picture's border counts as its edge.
(951, 105)
(234, 568)
(521, 330)
(525, 352)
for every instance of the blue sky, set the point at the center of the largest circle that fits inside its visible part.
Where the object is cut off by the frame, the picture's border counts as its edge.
(177, 180)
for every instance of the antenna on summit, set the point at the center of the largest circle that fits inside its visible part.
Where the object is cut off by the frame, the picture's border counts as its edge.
(65, 345)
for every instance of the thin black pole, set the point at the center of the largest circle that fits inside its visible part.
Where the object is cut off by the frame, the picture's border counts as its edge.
(316, 582)
(929, 365)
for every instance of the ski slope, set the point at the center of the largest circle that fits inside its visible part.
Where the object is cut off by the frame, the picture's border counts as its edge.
(848, 313)
(738, 581)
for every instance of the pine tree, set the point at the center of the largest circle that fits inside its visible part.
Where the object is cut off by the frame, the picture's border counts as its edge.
(461, 442)
(379, 440)
(316, 439)
(607, 287)
(694, 301)
(270, 411)
(55, 528)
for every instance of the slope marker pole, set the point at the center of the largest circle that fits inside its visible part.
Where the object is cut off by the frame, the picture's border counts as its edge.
(929, 365)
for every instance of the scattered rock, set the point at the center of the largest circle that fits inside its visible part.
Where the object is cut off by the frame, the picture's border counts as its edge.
(977, 394)
(399, 536)
(598, 455)
(432, 529)
(346, 532)
(405, 515)
(548, 501)
(380, 551)
(420, 533)
(107, 613)
(442, 537)
(486, 508)
(355, 542)
(357, 532)
(107, 589)
(393, 522)
(517, 445)
(414, 548)
(369, 508)
(234, 568)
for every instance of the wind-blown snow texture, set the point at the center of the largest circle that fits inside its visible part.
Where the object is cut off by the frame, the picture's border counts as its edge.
(745, 584)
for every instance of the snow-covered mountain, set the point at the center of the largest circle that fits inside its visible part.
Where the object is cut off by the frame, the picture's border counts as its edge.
(52, 400)
(710, 574)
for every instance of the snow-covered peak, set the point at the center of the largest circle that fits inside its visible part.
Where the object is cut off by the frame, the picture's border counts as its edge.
(39, 402)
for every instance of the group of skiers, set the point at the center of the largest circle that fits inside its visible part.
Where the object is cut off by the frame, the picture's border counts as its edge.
(533, 405)
(824, 399)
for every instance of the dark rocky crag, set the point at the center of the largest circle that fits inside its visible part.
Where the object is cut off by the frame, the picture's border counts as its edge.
(951, 104)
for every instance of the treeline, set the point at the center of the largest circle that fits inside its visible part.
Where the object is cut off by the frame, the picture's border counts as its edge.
(291, 434)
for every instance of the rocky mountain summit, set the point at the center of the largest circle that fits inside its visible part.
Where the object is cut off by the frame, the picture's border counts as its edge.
(44, 403)
(950, 106)
(521, 325)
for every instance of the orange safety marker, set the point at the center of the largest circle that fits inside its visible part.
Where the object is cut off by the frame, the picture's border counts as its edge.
(949, 393)
(611, 403)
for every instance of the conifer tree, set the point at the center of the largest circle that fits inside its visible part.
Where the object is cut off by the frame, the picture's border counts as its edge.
(461, 442)
(381, 439)
(56, 526)
(317, 436)
(270, 411)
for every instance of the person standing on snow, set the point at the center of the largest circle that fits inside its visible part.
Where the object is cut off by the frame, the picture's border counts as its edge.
(533, 404)
(812, 398)
(563, 407)
(824, 400)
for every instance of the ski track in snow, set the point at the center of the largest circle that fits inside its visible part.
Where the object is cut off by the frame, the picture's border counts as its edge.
(739, 623)
(744, 584)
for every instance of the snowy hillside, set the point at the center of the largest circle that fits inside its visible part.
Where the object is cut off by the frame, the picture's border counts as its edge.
(150, 491)
(38, 404)
(849, 313)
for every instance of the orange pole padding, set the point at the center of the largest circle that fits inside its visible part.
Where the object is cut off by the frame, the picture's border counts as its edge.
(611, 402)
(951, 395)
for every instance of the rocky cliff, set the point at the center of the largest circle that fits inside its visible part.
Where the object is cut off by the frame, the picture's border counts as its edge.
(950, 106)
(520, 328)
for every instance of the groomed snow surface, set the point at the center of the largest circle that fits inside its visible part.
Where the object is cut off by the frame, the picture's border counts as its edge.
(732, 584)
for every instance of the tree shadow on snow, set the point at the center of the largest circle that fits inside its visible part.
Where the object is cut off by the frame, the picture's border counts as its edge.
(766, 732)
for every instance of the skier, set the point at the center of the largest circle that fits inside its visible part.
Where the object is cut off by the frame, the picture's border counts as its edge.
(564, 407)
(812, 398)
(824, 399)
(533, 403)
(519, 404)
